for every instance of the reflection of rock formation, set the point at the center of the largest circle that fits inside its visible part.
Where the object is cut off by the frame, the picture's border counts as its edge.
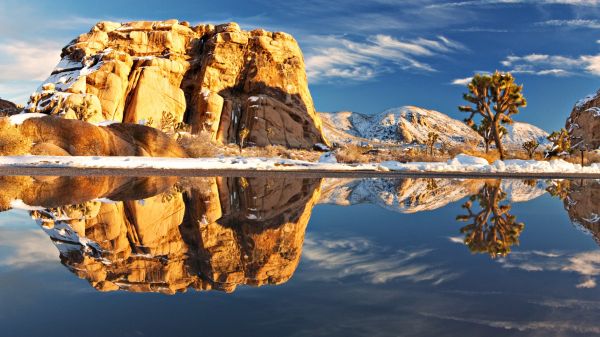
(217, 233)
(493, 229)
(580, 199)
(411, 195)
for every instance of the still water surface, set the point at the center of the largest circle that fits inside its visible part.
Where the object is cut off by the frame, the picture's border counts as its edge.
(283, 256)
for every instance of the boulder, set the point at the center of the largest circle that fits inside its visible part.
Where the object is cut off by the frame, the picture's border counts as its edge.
(8, 108)
(51, 135)
(583, 124)
(219, 79)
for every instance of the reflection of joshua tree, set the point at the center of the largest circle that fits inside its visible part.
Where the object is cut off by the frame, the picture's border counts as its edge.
(493, 229)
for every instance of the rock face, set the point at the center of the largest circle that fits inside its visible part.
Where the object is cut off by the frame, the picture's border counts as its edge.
(411, 124)
(7, 108)
(218, 79)
(584, 123)
(50, 135)
(217, 233)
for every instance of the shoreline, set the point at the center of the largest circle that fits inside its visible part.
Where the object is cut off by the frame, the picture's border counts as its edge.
(460, 167)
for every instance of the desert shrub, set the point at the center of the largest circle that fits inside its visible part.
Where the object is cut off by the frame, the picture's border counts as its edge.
(199, 146)
(12, 143)
(352, 154)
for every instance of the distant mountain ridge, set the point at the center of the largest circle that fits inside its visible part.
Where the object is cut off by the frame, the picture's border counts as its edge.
(410, 124)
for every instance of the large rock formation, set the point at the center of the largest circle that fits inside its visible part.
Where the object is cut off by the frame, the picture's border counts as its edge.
(154, 236)
(218, 79)
(50, 135)
(584, 123)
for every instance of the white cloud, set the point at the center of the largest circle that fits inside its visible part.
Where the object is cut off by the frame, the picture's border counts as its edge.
(340, 258)
(575, 23)
(461, 81)
(555, 65)
(333, 57)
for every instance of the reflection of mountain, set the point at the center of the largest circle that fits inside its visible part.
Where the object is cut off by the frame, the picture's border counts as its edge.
(411, 195)
(580, 199)
(215, 233)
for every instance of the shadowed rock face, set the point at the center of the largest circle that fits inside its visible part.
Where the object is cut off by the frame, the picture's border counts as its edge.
(217, 233)
(584, 123)
(218, 79)
(63, 137)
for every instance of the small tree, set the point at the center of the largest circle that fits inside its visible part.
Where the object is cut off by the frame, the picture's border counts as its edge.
(432, 138)
(495, 98)
(530, 147)
(242, 135)
(484, 129)
(561, 143)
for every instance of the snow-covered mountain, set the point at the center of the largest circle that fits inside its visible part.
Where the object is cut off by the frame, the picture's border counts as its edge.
(411, 124)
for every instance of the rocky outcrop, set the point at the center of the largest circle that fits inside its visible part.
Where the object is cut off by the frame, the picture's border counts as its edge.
(584, 123)
(8, 108)
(154, 236)
(219, 79)
(50, 135)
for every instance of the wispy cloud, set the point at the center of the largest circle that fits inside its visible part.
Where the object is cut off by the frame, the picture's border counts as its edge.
(513, 2)
(341, 258)
(575, 23)
(334, 57)
(26, 248)
(585, 264)
(554, 65)
(21, 60)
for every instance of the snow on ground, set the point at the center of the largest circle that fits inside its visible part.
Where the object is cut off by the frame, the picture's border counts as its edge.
(460, 164)
(18, 119)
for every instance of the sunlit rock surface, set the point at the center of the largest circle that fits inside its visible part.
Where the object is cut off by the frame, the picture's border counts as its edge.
(152, 235)
(220, 79)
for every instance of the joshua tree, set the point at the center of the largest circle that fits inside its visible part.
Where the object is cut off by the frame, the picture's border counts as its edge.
(496, 98)
(561, 143)
(432, 138)
(530, 147)
(493, 230)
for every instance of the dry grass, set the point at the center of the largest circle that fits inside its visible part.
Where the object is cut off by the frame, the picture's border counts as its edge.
(12, 143)
(201, 146)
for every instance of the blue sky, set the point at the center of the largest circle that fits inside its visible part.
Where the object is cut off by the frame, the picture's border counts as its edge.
(361, 55)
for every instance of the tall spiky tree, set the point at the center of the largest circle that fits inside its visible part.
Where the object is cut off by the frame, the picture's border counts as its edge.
(495, 98)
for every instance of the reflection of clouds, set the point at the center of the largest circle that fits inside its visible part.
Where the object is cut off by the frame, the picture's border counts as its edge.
(25, 247)
(586, 264)
(553, 325)
(339, 258)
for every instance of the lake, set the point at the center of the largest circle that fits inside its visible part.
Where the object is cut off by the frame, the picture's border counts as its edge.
(293, 256)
